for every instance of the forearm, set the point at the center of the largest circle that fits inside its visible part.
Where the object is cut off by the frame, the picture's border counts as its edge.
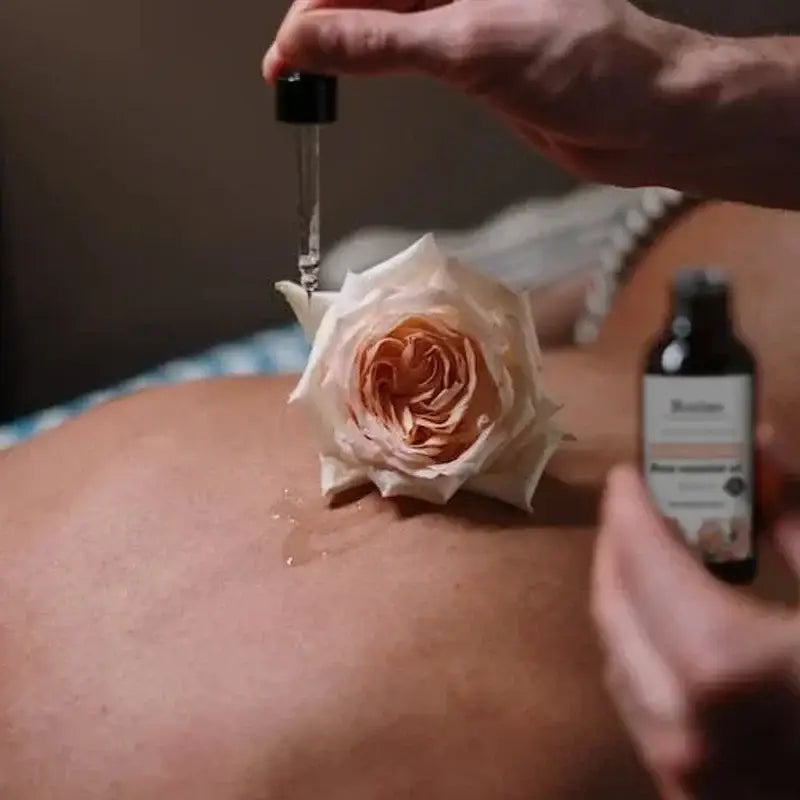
(735, 109)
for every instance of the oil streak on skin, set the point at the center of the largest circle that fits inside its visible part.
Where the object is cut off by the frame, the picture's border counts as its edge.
(305, 543)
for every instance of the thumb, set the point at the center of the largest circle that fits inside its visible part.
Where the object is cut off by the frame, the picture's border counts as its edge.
(778, 485)
(787, 538)
(678, 603)
(362, 41)
(778, 468)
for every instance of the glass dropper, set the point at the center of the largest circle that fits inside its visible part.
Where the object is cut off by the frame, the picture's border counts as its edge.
(308, 257)
(307, 101)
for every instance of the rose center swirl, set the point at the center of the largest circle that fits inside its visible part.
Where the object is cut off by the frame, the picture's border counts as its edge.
(427, 384)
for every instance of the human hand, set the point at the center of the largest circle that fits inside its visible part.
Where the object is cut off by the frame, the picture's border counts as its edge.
(706, 680)
(578, 78)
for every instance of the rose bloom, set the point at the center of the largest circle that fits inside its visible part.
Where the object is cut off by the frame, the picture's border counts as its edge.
(425, 377)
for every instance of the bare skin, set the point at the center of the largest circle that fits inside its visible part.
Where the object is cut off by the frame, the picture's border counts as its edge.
(154, 644)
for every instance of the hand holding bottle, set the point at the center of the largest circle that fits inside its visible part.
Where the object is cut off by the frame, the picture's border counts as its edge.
(706, 680)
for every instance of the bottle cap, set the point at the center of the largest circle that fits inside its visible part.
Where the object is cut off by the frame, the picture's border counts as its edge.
(306, 99)
(695, 283)
(700, 297)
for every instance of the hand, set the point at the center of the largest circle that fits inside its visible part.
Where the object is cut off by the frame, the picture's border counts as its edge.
(578, 78)
(706, 680)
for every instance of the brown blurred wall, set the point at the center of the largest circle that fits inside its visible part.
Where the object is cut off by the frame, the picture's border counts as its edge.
(148, 196)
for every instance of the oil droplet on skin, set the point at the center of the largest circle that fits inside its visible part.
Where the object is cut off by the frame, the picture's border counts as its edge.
(302, 544)
(305, 543)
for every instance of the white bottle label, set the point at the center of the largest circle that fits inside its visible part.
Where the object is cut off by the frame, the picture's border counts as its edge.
(698, 459)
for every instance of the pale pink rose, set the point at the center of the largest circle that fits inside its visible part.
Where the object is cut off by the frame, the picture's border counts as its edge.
(425, 378)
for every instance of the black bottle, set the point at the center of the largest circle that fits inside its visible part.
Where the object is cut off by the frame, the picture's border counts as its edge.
(698, 427)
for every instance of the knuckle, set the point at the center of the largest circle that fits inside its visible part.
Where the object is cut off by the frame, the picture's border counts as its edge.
(354, 39)
(469, 36)
(461, 44)
(374, 40)
(327, 40)
(299, 42)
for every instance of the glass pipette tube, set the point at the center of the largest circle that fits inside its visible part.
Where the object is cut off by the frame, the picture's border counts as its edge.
(308, 206)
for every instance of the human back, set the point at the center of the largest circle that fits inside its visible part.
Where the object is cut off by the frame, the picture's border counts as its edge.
(156, 644)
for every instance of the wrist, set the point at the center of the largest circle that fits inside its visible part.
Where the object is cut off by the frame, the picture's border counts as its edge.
(710, 83)
(728, 117)
(673, 94)
(656, 106)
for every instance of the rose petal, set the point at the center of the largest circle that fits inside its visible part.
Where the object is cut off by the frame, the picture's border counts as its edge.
(417, 264)
(309, 313)
(438, 490)
(512, 311)
(517, 485)
(338, 476)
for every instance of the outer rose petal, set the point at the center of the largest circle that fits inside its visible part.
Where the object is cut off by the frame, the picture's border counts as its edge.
(338, 476)
(309, 314)
(518, 487)
(433, 490)
(415, 266)
(514, 476)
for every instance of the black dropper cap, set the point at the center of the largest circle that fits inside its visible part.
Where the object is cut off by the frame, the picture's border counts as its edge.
(702, 297)
(306, 99)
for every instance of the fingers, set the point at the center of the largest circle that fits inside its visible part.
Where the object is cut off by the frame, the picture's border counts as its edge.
(674, 598)
(787, 538)
(702, 628)
(637, 672)
(647, 692)
(778, 477)
(677, 641)
(275, 61)
(328, 39)
(776, 451)
(670, 747)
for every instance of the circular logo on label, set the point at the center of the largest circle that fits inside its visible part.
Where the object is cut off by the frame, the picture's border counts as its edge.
(735, 486)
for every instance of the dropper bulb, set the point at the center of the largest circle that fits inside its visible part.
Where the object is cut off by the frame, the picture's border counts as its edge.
(306, 99)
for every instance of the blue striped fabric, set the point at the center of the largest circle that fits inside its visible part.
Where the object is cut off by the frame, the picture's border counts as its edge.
(271, 352)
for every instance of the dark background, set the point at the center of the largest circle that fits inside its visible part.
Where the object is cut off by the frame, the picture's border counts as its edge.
(148, 196)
